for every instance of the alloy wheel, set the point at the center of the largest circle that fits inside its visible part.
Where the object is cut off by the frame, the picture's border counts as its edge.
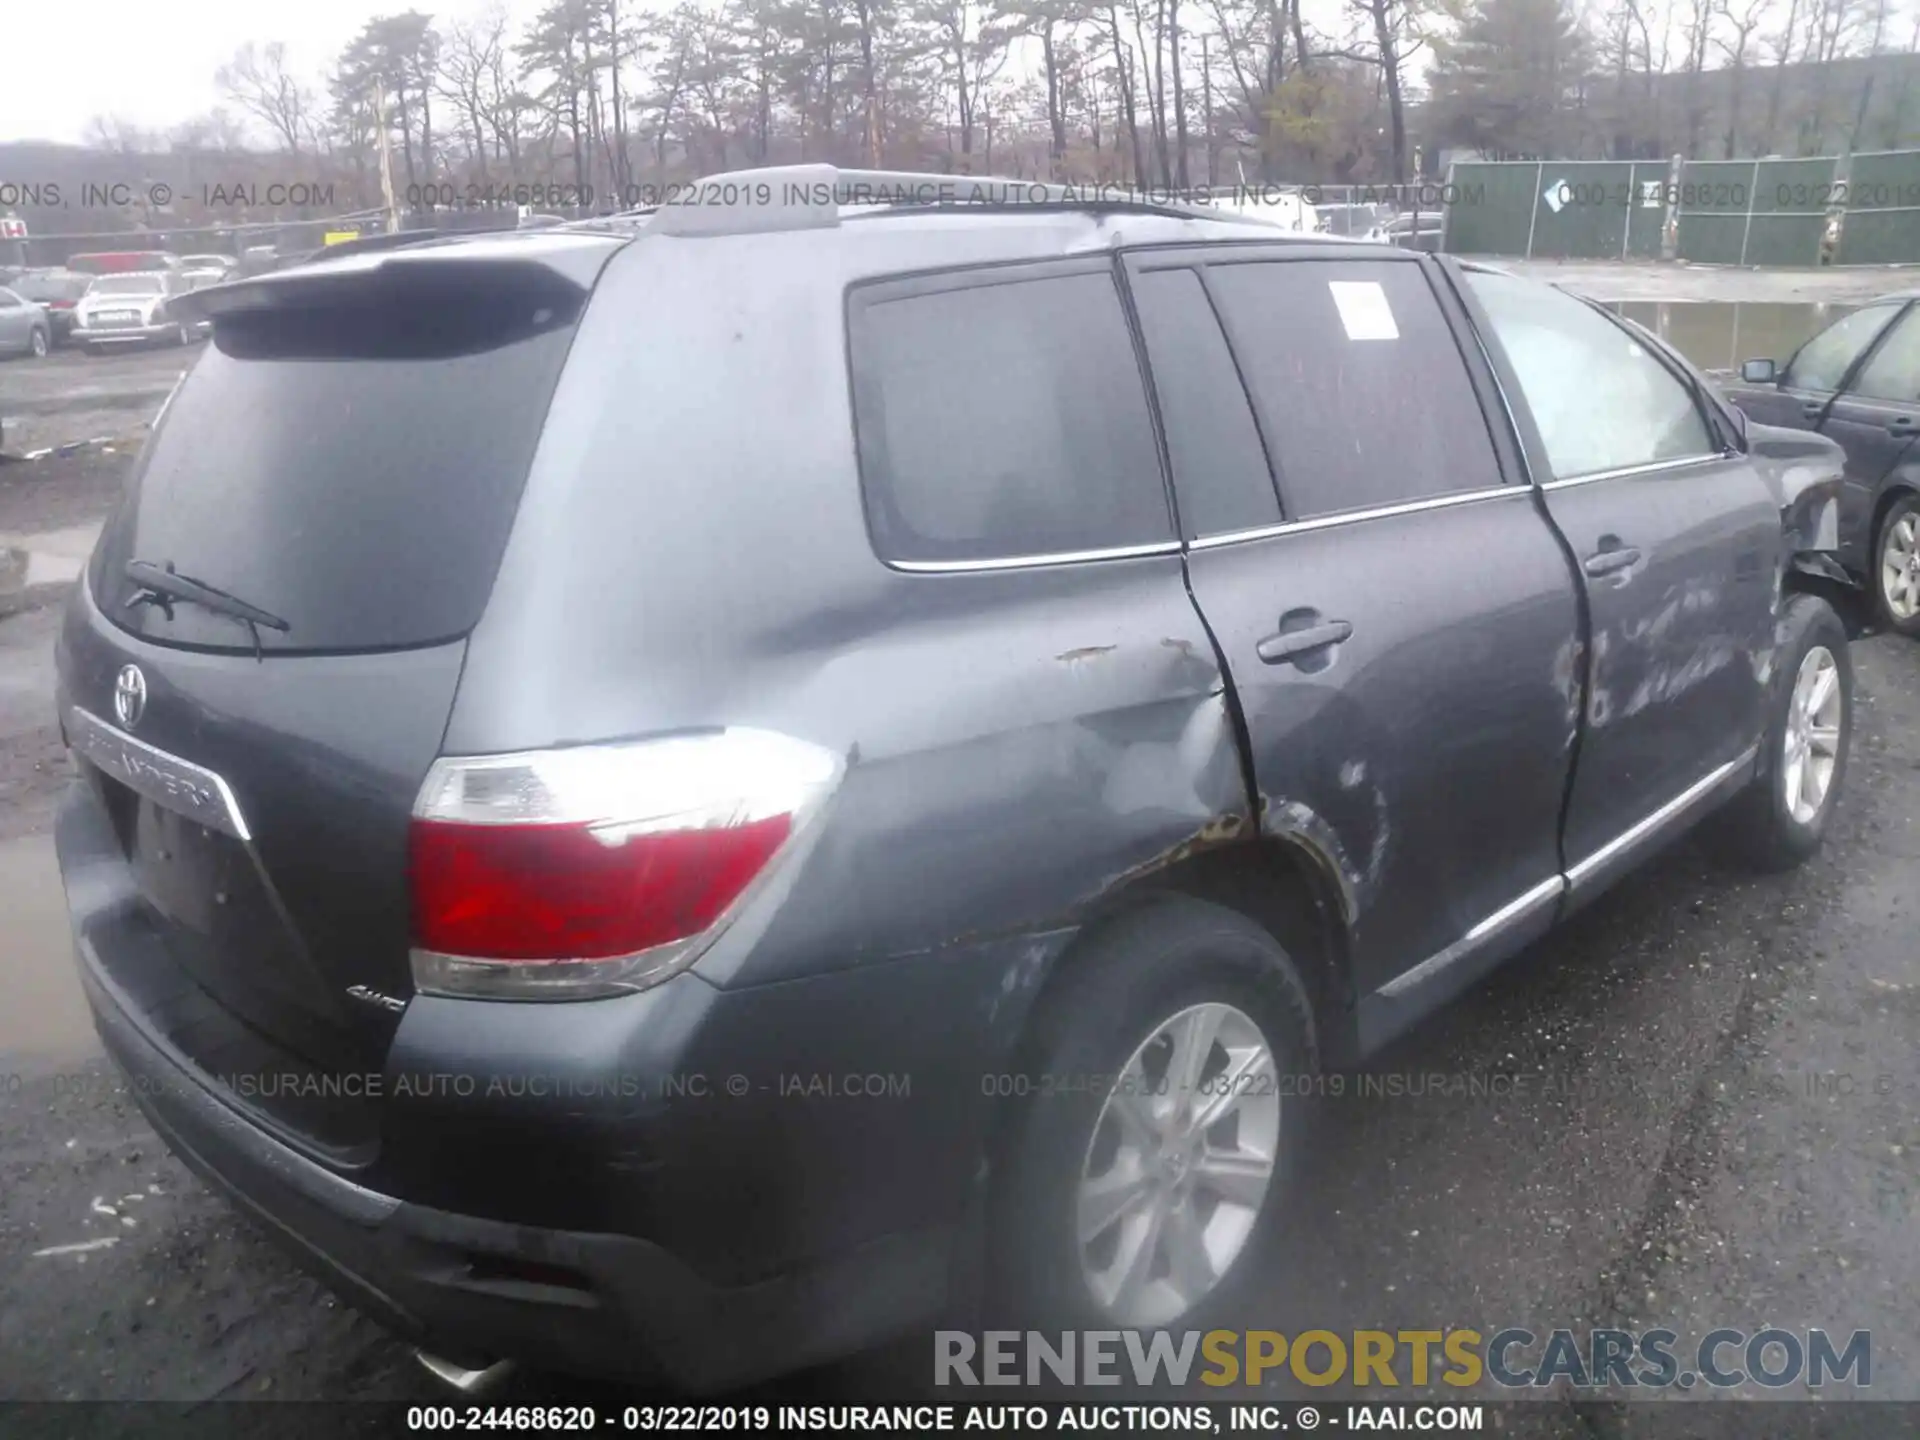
(1179, 1165)
(1814, 716)
(1900, 566)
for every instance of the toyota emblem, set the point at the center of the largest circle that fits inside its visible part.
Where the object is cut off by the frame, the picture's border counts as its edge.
(130, 696)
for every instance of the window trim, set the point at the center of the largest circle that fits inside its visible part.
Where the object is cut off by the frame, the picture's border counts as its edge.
(1352, 517)
(1034, 561)
(1652, 467)
(882, 289)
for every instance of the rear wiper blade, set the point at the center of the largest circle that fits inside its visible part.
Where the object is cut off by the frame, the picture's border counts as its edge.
(162, 585)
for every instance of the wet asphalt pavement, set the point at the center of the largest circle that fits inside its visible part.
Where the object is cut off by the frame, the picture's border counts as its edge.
(1695, 1105)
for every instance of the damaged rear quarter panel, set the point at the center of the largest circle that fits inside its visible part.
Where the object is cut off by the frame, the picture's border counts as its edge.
(1090, 741)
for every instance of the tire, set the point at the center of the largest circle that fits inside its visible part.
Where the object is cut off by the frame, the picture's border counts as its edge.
(1896, 567)
(1104, 1025)
(1766, 828)
(39, 344)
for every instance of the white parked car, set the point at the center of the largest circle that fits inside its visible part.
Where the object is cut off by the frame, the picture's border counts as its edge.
(132, 307)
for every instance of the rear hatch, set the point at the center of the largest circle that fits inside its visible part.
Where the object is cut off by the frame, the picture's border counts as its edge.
(347, 458)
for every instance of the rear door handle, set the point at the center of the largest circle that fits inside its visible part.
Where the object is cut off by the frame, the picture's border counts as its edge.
(1900, 425)
(1812, 408)
(1608, 562)
(1290, 645)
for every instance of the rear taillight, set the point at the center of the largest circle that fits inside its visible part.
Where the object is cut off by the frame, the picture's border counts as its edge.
(565, 874)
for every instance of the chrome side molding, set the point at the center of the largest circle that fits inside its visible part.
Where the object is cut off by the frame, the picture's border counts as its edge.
(1628, 839)
(458, 1377)
(1568, 883)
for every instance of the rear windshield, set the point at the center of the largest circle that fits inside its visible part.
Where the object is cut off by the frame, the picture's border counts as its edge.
(353, 469)
(112, 262)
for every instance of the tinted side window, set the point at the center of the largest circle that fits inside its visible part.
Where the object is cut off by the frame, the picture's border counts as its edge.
(1601, 399)
(1361, 391)
(1894, 371)
(1821, 363)
(1220, 472)
(1003, 417)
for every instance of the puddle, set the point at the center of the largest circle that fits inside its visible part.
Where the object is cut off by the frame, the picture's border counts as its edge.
(1716, 335)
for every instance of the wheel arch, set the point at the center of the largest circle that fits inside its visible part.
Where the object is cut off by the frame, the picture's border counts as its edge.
(1903, 484)
(1284, 883)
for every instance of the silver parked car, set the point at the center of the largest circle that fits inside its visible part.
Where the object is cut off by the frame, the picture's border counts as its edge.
(24, 326)
(204, 270)
(131, 307)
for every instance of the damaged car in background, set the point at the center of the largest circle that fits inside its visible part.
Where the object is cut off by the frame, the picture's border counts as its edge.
(1858, 383)
(780, 876)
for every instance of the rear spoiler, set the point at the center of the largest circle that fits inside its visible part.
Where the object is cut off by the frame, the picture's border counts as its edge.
(531, 263)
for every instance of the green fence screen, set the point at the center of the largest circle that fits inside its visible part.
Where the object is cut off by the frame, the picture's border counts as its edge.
(1881, 225)
(1724, 212)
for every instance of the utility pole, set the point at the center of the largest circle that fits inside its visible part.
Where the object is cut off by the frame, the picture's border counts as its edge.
(1206, 103)
(386, 155)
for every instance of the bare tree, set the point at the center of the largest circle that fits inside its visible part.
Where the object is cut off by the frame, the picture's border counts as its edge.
(1393, 27)
(120, 135)
(1743, 18)
(1123, 81)
(469, 60)
(1697, 30)
(258, 81)
(969, 47)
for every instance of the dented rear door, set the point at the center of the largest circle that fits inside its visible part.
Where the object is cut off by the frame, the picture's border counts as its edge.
(1398, 618)
(1680, 548)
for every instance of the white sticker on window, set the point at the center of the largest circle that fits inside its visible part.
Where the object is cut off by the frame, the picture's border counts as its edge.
(1364, 310)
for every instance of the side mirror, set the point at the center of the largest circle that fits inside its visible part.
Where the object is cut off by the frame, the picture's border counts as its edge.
(1759, 372)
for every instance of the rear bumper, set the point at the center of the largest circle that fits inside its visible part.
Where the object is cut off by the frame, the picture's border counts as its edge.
(700, 1241)
(578, 1303)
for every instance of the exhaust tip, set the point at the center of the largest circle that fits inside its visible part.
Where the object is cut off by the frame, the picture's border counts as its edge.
(459, 1377)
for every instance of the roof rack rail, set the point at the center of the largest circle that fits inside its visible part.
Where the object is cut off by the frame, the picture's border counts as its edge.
(809, 197)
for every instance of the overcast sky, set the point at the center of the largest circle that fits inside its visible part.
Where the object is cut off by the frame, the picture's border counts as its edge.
(152, 65)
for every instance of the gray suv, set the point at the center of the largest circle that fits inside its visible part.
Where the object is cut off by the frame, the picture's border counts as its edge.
(674, 797)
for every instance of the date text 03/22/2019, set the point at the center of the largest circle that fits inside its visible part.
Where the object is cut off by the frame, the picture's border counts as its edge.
(855, 1419)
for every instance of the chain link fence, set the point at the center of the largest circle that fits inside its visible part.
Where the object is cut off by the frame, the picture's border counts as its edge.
(1862, 209)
